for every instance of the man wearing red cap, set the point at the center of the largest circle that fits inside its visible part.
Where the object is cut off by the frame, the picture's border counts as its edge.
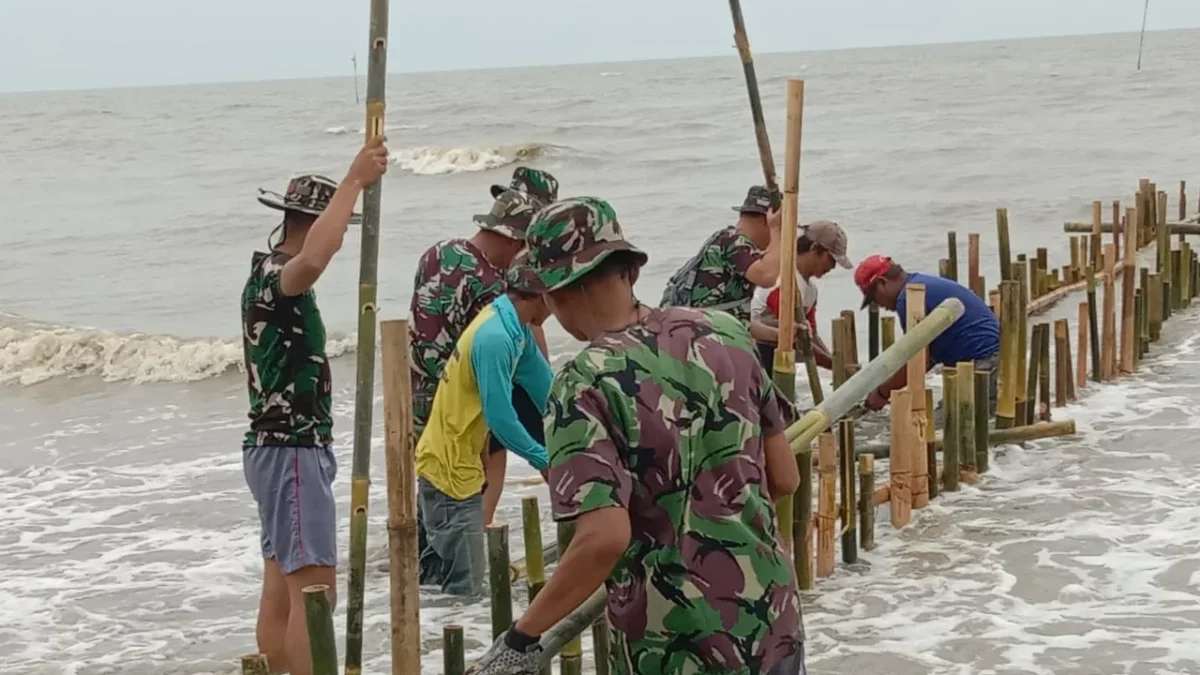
(974, 337)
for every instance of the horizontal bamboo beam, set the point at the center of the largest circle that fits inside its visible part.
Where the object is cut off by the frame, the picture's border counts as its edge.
(1030, 432)
(1041, 304)
(1079, 227)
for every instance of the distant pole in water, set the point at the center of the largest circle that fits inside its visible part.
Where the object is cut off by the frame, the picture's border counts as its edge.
(364, 392)
(354, 60)
(1142, 40)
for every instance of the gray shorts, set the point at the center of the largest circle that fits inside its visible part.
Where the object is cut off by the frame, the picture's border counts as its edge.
(296, 509)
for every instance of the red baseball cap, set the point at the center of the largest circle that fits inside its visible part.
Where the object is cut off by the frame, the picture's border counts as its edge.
(870, 270)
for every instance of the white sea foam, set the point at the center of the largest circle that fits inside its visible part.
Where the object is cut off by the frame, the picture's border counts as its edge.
(32, 353)
(343, 130)
(431, 161)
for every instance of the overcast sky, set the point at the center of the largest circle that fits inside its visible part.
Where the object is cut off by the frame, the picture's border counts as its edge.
(73, 44)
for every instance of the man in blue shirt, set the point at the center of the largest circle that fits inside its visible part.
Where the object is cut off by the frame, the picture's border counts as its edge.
(975, 336)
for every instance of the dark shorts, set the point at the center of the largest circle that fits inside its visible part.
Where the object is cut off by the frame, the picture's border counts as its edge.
(296, 509)
(529, 416)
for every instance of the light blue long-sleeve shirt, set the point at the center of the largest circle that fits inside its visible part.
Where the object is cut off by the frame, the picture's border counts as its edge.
(503, 353)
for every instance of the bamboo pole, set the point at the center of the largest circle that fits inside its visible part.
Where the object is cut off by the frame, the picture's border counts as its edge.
(322, 643)
(944, 268)
(866, 501)
(1116, 231)
(1081, 367)
(952, 245)
(1044, 373)
(994, 437)
(1182, 202)
(1185, 257)
(826, 503)
(602, 646)
(839, 352)
(1006, 273)
(873, 331)
(1009, 325)
(900, 465)
(887, 326)
(1093, 325)
(804, 341)
(1138, 310)
(931, 463)
(851, 339)
(1154, 307)
(802, 523)
(572, 650)
(255, 664)
(401, 499)
(534, 563)
(1076, 257)
(1127, 281)
(1108, 344)
(966, 416)
(500, 583)
(1095, 230)
(975, 282)
(982, 404)
(849, 503)
(1068, 361)
(1031, 381)
(1020, 405)
(914, 309)
(1176, 280)
(952, 434)
(1042, 269)
(454, 660)
(1060, 371)
(994, 301)
(364, 392)
(756, 109)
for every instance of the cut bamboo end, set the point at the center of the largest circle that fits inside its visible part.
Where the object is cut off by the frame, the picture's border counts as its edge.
(255, 664)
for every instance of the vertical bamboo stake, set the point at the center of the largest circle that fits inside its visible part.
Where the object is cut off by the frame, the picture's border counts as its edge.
(1009, 325)
(802, 523)
(1185, 256)
(887, 326)
(900, 462)
(966, 415)
(931, 460)
(826, 503)
(322, 643)
(602, 645)
(1127, 284)
(975, 283)
(1060, 363)
(851, 340)
(1093, 325)
(1138, 309)
(1081, 366)
(1154, 306)
(531, 533)
(982, 405)
(756, 109)
(255, 664)
(994, 301)
(453, 657)
(951, 435)
(804, 341)
(1076, 256)
(1068, 361)
(1031, 382)
(1044, 372)
(1020, 405)
(1176, 279)
(571, 654)
(1005, 251)
(1043, 265)
(1144, 317)
(873, 331)
(1096, 242)
(1182, 203)
(1108, 345)
(849, 505)
(401, 499)
(866, 501)
(1116, 233)
(364, 392)
(952, 245)
(499, 578)
(839, 352)
(944, 268)
(914, 308)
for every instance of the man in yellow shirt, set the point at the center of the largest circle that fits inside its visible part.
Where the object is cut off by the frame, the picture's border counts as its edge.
(496, 351)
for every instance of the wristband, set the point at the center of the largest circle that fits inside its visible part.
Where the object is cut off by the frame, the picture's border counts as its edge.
(518, 641)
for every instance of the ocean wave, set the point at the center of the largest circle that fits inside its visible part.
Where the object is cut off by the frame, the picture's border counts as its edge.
(33, 353)
(431, 161)
(342, 130)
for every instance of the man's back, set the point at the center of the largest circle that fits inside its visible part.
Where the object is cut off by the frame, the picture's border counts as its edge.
(721, 273)
(666, 419)
(976, 334)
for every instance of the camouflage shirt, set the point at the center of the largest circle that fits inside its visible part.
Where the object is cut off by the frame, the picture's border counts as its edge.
(453, 282)
(666, 419)
(286, 368)
(721, 275)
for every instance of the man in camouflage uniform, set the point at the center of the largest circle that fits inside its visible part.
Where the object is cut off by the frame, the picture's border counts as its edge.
(457, 278)
(286, 455)
(739, 258)
(667, 449)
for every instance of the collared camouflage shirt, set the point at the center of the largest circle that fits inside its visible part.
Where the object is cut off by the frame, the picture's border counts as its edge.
(453, 282)
(666, 419)
(721, 274)
(287, 371)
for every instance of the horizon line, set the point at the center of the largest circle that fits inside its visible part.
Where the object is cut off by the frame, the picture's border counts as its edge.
(533, 66)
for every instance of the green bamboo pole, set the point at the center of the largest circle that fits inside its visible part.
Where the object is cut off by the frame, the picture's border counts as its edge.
(866, 501)
(1009, 325)
(950, 437)
(804, 341)
(994, 437)
(756, 109)
(887, 326)
(1031, 381)
(839, 352)
(931, 468)
(1006, 272)
(364, 392)
(952, 245)
(872, 331)
(602, 646)
(982, 418)
(1139, 309)
(499, 581)
(1044, 373)
(966, 415)
(802, 523)
(1023, 407)
(453, 659)
(255, 664)
(322, 643)
(535, 565)
(1093, 322)
(849, 504)
(572, 650)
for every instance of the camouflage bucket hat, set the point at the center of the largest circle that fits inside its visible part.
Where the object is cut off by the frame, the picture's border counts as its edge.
(758, 200)
(510, 215)
(540, 184)
(309, 194)
(521, 277)
(570, 238)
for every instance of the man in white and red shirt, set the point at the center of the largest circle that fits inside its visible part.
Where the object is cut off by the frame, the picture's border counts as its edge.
(820, 246)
